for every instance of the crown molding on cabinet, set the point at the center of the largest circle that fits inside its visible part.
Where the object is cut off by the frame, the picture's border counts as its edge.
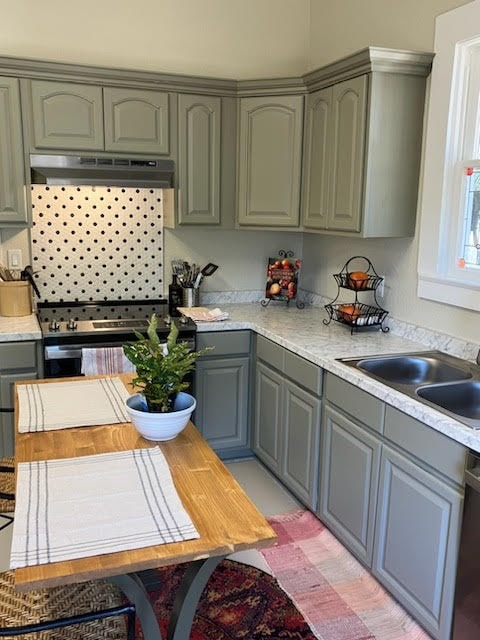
(364, 61)
(367, 60)
(109, 76)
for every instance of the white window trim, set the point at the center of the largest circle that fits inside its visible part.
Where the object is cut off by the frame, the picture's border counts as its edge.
(435, 280)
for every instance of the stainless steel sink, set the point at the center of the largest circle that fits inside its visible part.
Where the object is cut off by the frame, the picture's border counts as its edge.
(462, 398)
(449, 384)
(413, 369)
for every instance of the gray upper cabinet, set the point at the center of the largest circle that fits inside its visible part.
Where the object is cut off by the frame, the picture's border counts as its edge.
(74, 116)
(12, 172)
(67, 116)
(199, 133)
(269, 161)
(136, 121)
(362, 151)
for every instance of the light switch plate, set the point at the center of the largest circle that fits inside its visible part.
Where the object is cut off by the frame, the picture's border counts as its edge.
(14, 259)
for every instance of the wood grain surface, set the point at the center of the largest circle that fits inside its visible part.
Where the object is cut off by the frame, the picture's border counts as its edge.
(224, 516)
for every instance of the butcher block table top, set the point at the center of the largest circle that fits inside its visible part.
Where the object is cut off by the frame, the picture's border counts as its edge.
(222, 513)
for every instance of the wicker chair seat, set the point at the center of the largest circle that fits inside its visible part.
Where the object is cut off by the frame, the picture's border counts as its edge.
(17, 609)
(7, 485)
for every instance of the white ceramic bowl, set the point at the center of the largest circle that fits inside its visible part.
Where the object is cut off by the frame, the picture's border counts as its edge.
(160, 426)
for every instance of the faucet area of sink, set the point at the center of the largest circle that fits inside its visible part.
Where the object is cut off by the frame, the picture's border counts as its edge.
(447, 383)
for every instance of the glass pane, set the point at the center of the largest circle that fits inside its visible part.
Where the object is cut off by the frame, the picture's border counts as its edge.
(471, 221)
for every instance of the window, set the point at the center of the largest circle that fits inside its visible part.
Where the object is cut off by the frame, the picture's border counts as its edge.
(449, 249)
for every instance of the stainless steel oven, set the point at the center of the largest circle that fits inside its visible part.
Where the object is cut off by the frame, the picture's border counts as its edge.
(69, 327)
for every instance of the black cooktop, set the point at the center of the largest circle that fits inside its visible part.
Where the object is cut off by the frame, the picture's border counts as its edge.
(101, 317)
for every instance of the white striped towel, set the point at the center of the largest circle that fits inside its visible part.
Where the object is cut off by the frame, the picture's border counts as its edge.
(105, 360)
(71, 403)
(92, 505)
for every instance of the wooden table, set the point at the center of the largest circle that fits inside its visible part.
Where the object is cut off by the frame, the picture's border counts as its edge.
(224, 516)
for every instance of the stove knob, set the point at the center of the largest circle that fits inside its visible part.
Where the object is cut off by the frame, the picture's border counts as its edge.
(168, 320)
(183, 320)
(54, 326)
(71, 325)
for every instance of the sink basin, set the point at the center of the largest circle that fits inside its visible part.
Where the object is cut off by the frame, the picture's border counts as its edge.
(460, 398)
(412, 369)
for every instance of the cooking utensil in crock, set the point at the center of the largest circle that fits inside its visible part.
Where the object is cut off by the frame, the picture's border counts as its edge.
(209, 269)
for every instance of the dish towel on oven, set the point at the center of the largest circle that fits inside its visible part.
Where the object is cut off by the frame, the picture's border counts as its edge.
(105, 360)
(72, 403)
(92, 505)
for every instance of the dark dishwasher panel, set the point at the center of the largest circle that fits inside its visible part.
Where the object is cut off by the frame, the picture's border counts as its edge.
(466, 622)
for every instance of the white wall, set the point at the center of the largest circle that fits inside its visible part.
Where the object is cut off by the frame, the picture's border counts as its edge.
(223, 38)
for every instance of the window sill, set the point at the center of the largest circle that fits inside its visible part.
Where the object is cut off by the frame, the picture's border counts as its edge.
(458, 294)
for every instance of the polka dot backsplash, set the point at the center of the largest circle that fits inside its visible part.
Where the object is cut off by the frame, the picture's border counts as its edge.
(97, 243)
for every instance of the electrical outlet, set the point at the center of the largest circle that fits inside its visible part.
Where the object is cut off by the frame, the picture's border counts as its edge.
(381, 287)
(14, 259)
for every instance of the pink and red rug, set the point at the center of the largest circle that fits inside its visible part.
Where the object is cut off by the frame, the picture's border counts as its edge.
(337, 596)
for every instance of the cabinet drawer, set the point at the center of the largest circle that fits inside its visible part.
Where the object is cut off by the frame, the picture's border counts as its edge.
(271, 353)
(358, 403)
(303, 372)
(225, 342)
(18, 355)
(434, 448)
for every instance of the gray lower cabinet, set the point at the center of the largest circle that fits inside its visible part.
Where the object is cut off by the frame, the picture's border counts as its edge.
(269, 161)
(92, 118)
(222, 390)
(12, 172)
(18, 361)
(391, 490)
(349, 478)
(416, 540)
(287, 418)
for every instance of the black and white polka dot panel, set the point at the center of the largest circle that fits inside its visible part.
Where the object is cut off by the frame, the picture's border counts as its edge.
(97, 243)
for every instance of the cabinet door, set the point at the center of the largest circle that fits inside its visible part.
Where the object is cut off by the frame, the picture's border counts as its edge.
(136, 121)
(349, 476)
(349, 112)
(222, 401)
(67, 116)
(7, 381)
(270, 141)
(12, 172)
(301, 425)
(316, 163)
(199, 122)
(416, 541)
(267, 433)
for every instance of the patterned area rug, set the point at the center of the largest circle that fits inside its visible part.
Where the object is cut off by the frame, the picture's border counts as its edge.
(338, 597)
(239, 602)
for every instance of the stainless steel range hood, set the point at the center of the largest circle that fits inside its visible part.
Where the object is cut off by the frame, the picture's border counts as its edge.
(85, 170)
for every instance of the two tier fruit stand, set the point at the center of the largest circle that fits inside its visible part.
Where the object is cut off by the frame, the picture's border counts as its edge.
(359, 276)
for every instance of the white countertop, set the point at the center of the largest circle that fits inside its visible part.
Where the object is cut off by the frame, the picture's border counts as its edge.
(303, 332)
(19, 328)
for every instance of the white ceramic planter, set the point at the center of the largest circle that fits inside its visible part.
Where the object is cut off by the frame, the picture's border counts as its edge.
(160, 426)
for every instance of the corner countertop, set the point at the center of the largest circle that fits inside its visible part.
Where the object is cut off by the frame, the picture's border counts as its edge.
(303, 332)
(19, 328)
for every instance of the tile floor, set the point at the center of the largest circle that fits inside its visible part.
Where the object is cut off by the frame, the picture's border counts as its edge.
(265, 491)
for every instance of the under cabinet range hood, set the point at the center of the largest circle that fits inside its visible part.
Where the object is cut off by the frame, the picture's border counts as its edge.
(100, 171)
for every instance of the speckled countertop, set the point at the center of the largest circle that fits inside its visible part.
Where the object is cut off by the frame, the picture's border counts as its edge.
(303, 332)
(19, 328)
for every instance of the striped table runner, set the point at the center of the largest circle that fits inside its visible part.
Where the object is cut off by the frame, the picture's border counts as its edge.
(74, 403)
(92, 505)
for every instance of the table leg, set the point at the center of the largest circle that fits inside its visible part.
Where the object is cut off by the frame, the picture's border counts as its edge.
(133, 588)
(188, 595)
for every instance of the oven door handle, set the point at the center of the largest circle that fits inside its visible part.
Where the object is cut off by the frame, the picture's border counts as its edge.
(62, 352)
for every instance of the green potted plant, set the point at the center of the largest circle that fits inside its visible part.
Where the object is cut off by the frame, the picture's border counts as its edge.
(161, 408)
